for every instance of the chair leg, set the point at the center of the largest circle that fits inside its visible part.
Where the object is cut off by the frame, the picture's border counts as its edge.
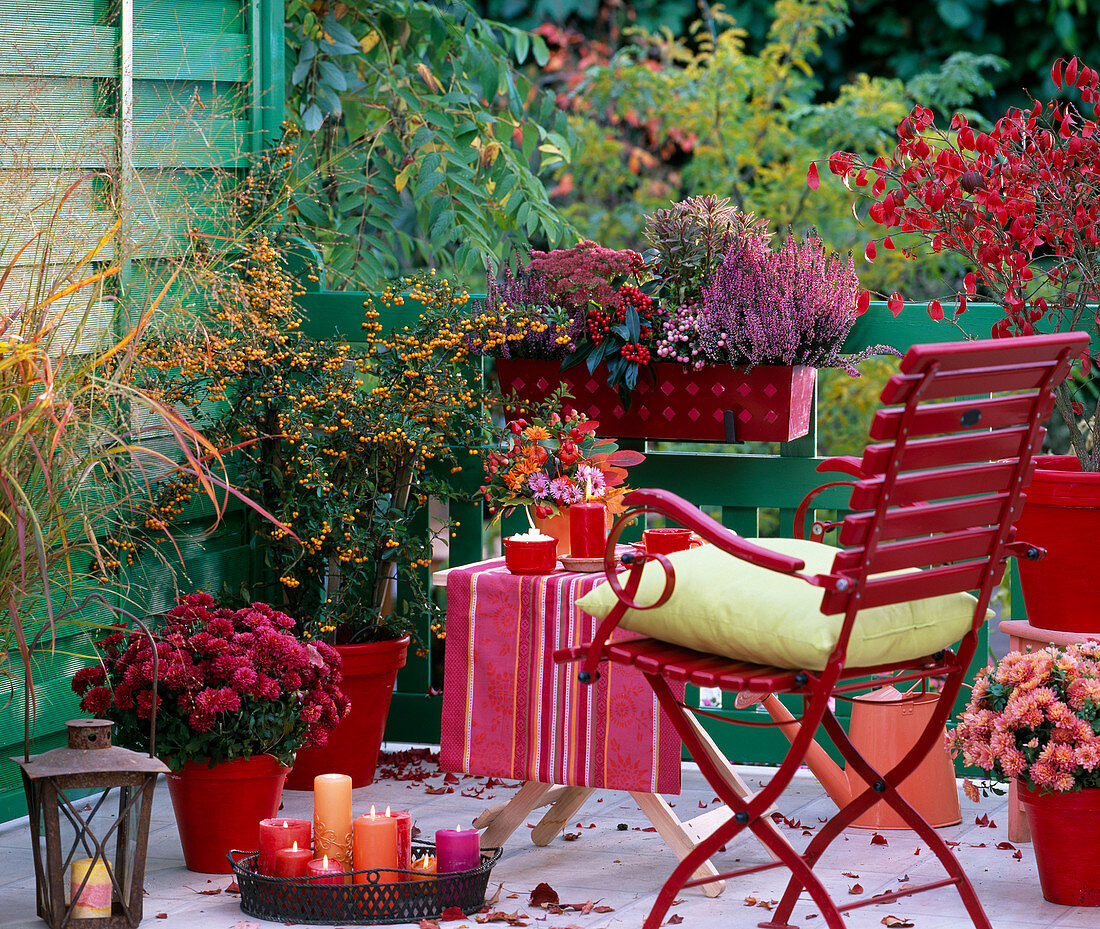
(747, 812)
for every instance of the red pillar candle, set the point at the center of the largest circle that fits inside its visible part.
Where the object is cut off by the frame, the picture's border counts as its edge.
(293, 861)
(325, 871)
(374, 845)
(457, 849)
(587, 530)
(404, 837)
(280, 833)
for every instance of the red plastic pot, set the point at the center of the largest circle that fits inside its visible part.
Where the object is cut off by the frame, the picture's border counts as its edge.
(370, 671)
(719, 403)
(1063, 827)
(218, 809)
(1061, 513)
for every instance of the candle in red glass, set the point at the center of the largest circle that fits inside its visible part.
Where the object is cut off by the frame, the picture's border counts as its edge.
(293, 861)
(280, 833)
(404, 837)
(325, 871)
(587, 530)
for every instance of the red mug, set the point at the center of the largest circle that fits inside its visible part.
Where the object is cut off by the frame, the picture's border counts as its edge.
(667, 541)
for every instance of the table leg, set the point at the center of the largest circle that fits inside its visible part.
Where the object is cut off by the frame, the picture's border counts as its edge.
(515, 811)
(676, 837)
(561, 813)
(486, 817)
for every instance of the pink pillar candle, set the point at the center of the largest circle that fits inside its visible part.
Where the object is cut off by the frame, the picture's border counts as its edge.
(404, 837)
(587, 530)
(276, 834)
(293, 861)
(457, 849)
(325, 871)
(374, 845)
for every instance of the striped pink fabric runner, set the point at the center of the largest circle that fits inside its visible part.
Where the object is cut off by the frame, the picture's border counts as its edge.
(510, 711)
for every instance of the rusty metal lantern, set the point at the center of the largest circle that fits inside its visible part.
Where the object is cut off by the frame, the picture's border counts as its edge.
(57, 784)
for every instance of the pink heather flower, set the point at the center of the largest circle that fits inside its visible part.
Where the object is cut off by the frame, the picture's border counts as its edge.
(539, 485)
(565, 492)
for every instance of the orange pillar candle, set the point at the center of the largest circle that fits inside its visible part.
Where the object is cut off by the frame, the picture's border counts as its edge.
(587, 530)
(332, 818)
(404, 837)
(423, 868)
(325, 871)
(280, 833)
(93, 900)
(292, 862)
(374, 845)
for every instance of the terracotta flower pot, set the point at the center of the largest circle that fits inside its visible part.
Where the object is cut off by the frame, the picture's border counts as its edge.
(1061, 513)
(370, 671)
(1063, 827)
(218, 809)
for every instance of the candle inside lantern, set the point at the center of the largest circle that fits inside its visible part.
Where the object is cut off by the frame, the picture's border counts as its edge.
(94, 900)
(326, 871)
(457, 849)
(587, 527)
(424, 868)
(276, 834)
(332, 818)
(404, 837)
(293, 861)
(374, 845)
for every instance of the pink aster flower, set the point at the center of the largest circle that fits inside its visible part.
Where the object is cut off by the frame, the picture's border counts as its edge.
(565, 492)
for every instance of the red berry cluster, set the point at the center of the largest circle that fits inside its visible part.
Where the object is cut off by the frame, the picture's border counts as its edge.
(639, 354)
(629, 295)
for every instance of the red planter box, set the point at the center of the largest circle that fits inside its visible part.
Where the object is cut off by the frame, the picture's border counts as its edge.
(770, 403)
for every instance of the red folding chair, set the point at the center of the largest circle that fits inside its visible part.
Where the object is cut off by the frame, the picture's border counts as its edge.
(952, 452)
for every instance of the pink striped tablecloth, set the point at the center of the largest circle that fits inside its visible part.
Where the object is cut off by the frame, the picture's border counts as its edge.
(510, 711)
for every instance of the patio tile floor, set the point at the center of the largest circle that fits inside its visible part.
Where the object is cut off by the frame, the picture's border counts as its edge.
(620, 868)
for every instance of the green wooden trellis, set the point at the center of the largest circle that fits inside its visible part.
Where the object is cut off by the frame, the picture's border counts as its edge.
(177, 89)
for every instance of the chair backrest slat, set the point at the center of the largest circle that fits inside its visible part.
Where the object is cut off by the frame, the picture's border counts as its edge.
(938, 418)
(906, 522)
(942, 483)
(942, 548)
(945, 479)
(941, 452)
(901, 588)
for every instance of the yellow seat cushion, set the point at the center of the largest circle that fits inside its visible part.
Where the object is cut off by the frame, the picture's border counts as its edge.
(724, 605)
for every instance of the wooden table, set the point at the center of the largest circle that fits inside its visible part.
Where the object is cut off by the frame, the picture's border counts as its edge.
(1022, 637)
(510, 712)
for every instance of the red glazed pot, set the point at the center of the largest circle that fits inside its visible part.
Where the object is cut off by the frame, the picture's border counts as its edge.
(1063, 830)
(218, 809)
(370, 671)
(718, 403)
(1061, 513)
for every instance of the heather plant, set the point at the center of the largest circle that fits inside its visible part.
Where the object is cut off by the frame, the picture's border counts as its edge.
(533, 325)
(791, 306)
(230, 684)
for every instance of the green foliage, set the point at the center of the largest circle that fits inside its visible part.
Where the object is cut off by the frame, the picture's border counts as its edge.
(422, 144)
(667, 118)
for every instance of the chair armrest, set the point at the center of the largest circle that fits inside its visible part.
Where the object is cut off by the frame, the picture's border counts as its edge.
(845, 464)
(691, 517)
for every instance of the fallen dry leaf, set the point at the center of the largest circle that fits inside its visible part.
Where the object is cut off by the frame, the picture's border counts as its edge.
(851, 874)
(499, 916)
(674, 920)
(1006, 846)
(570, 836)
(451, 914)
(971, 791)
(232, 888)
(162, 915)
(245, 924)
(492, 901)
(903, 879)
(897, 922)
(542, 895)
(750, 901)
(213, 891)
(879, 839)
(428, 924)
(855, 889)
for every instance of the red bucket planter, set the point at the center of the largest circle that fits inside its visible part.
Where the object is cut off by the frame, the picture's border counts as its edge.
(1064, 827)
(1061, 513)
(370, 671)
(718, 403)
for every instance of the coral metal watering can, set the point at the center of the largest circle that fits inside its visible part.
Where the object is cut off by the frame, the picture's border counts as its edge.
(884, 724)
